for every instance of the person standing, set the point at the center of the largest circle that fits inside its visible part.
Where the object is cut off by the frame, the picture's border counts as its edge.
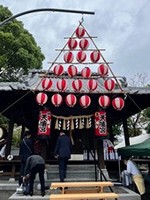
(137, 177)
(35, 164)
(63, 153)
(26, 150)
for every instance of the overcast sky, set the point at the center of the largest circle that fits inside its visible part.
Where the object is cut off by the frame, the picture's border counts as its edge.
(122, 28)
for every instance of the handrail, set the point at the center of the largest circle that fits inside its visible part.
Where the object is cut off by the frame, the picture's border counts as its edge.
(102, 174)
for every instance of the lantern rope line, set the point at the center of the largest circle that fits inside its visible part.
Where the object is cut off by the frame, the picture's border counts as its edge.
(90, 63)
(93, 76)
(103, 59)
(16, 102)
(134, 102)
(74, 37)
(73, 117)
(79, 50)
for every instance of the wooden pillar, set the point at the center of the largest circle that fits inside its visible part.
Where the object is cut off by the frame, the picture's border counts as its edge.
(126, 132)
(10, 134)
(110, 131)
(100, 153)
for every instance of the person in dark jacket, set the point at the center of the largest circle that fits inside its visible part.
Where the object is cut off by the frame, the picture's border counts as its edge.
(26, 150)
(63, 153)
(35, 164)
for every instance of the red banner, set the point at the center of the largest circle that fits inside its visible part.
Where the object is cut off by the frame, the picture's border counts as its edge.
(100, 123)
(44, 124)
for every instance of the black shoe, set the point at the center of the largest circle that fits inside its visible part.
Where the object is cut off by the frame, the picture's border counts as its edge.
(43, 193)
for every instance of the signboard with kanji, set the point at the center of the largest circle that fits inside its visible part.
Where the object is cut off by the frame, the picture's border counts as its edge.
(44, 123)
(100, 123)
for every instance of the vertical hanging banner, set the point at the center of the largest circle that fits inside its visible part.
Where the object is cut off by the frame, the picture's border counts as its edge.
(44, 124)
(100, 123)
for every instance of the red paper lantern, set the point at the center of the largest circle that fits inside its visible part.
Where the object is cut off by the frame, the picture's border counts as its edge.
(81, 56)
(104, 101)
(118, 103)
(86, 72)
(68, 57)
(103, 70)
(85, 101)
(72, 71)
(77, 85)
(41, 98)
(58, 70)
(95, 56)
(47, 83)
(84, 44)
(71, 100)
(62, 85)
(80, 31)
(109, 84)
(92, 84)
(56, 100)
(72, 44)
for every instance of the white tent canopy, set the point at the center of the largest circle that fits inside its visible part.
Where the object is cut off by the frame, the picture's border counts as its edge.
(134, 140)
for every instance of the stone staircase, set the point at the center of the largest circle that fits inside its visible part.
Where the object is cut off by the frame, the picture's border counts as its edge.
(78, 172)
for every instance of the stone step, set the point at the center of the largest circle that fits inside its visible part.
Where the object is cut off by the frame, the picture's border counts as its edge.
(77, 179)
(71, 167)
(72, 174)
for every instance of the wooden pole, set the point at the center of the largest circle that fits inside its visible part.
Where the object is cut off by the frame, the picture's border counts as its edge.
(10, 134)
(126, 132)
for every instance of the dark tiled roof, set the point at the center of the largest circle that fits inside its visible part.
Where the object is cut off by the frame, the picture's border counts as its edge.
(33, 82)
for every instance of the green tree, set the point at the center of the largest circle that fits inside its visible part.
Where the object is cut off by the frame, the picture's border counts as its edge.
(147, 117)
(134, 124)
(147, 112)
(139, 121)
(18, 49)
(3, 121)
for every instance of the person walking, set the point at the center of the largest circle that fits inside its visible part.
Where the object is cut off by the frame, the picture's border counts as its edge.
(137, 177)
(63, 153)
(35, 164)
(26, 150)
